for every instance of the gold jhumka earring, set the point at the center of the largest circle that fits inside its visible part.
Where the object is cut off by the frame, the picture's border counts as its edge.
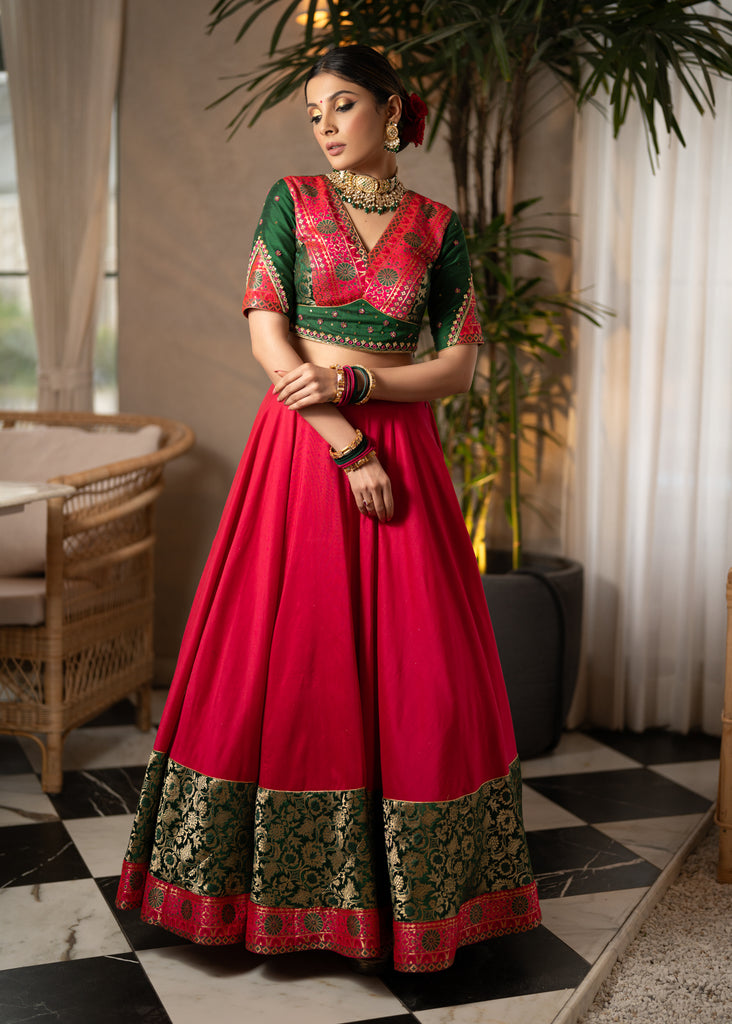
(391, 138)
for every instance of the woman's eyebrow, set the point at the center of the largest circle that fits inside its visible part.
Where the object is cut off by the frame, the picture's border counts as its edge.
(341, 92)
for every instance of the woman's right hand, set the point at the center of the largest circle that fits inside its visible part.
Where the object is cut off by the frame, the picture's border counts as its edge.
(371, 489)
(308, 384)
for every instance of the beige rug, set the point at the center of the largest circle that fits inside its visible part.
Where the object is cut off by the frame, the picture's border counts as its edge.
(678, 970)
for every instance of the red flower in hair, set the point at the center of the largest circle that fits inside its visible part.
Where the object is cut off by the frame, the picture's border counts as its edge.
(414, 113)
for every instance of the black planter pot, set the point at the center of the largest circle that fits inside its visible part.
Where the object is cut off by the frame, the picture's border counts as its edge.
(537, 618)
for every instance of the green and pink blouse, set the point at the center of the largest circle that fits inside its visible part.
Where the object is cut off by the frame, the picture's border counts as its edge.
(309, 263)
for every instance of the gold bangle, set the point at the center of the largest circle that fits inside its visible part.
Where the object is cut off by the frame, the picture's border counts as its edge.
(340, 383)
(361, 462)
(372, 382)
(346, 451)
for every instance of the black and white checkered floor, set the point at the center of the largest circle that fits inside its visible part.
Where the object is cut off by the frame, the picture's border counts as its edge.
(606, 812)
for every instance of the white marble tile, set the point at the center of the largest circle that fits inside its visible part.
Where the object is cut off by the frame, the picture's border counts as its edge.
(541, 812)
(23, 802)
(108, 746)
(540, 1008)
(577, 753)
(700, 777)
(654, 839)
(589, 921)
(229, 986)
(69, 920)
(101, 841)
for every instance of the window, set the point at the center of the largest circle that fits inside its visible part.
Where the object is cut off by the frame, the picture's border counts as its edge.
(17, 342)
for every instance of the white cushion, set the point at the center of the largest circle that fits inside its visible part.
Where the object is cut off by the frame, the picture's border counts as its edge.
(22, 600)
(42, 453)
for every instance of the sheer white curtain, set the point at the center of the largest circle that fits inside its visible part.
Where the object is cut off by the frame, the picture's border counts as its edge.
(652, 508)
(62, 58)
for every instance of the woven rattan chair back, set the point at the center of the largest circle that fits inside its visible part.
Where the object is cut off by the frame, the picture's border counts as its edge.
(96, 643)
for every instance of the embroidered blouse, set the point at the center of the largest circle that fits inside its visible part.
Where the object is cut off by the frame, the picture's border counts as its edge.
(309, 263)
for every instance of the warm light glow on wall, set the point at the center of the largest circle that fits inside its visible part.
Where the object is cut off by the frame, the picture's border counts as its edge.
(321, 16)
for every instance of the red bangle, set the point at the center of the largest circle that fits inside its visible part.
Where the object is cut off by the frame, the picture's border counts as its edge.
(349, 384)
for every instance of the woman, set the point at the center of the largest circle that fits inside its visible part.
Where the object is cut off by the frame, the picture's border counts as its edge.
(336, 767)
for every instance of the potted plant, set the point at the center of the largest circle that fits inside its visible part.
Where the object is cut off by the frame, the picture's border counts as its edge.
(475, 64)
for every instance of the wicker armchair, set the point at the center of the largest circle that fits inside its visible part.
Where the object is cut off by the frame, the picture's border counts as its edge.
(95, 644)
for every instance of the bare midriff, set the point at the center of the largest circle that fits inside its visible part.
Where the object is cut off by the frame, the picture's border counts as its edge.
(329, 355)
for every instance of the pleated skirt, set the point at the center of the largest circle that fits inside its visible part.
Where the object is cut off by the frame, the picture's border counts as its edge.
(335, 767)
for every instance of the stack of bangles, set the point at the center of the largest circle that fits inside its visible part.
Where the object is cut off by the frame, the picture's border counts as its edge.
(354, 385)
(357, 454)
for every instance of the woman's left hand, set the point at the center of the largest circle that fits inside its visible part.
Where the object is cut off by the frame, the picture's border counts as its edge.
(307, 384)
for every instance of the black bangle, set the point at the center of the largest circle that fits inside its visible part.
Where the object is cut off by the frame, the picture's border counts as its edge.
(362, 384)
(354, 454)
(363, 392)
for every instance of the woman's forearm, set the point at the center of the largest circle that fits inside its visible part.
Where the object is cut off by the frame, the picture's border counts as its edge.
(332, 426)
(450, 373)
(273, 351)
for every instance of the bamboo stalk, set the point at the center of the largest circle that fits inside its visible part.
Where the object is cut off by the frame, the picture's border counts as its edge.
(515, 469)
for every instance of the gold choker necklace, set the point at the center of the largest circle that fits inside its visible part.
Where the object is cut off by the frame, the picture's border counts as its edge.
(372, 195)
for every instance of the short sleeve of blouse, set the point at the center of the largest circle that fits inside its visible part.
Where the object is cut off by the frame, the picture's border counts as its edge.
(270, 273)
(452, 311)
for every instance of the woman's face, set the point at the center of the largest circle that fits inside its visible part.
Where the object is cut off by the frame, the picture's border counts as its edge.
(348, 126)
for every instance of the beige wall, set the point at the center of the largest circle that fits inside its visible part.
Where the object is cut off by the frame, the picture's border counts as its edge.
(189, 200)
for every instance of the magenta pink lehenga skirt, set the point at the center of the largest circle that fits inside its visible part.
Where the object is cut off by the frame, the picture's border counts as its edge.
(335, 767)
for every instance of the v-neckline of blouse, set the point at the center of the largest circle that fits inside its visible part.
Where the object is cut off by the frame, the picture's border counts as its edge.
(352, 230)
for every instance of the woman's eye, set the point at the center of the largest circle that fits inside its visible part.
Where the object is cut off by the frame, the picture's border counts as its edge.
(314, 118)
(346, 106)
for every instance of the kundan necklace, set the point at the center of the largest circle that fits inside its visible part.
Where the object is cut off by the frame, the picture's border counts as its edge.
(372, 195)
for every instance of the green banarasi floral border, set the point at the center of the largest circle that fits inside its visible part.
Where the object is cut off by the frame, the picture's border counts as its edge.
(322, 849)
(216, 838)
(195, 831)
(443, 854)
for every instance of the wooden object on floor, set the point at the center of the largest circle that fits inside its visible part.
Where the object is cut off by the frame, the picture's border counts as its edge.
(95, 645)
(724, 799)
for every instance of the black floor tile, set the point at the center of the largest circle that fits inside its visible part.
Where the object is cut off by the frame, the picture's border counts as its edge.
(402, 1018)
(619, 795)
(659, 746)
(122, 713)
(513, 965)
(37, 854)
(570, 861)
(98, 792)
(138, 934)
(12, 757)
(97, 990)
